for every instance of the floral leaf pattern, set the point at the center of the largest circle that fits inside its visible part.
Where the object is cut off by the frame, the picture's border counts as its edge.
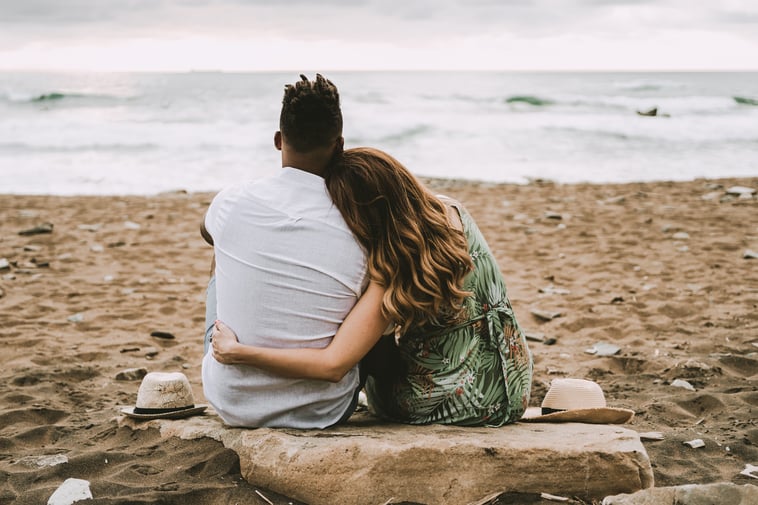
(478, 373)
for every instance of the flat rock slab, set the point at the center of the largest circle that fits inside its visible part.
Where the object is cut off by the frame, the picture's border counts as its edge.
(690, 494)
(368, 461)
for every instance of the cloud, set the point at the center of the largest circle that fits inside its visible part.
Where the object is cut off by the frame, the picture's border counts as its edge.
(469, 30)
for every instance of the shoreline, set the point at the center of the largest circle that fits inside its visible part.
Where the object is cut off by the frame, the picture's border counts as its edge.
(655, 268)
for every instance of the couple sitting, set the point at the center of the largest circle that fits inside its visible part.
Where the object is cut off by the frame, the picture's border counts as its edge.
(343, 272)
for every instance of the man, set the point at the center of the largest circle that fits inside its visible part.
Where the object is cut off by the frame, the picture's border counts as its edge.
(287, 271)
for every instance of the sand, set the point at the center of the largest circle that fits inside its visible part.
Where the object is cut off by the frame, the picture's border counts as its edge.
(657, 269)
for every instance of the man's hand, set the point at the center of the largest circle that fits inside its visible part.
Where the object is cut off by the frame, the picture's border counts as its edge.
(225, 345)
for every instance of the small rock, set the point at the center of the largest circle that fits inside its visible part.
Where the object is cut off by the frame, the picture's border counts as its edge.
(740, 190)
(681, 235)
(97, 248)
(131, 374)
(150, 352)
(129, 349)
(545, 315)
(614, 200)
(652, 435)
(553, 215)
(603, 349)
(552, 290)
(695, 444)
(750, 255)
(38, 230)
(552, 497)
(679, 383)
(750, 471)
(108, 278)
(90, 227)
(696, 365)
(617, 300)
(162, 334)
(42, 461)
(71, 491)
(76, 318)
(4, 264)
(131, 225)
(713, 195)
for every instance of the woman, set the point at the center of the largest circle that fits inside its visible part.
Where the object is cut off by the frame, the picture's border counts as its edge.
(457, 355)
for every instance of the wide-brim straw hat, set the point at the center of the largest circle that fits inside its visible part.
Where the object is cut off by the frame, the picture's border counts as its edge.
(577, 401)
(164, 395)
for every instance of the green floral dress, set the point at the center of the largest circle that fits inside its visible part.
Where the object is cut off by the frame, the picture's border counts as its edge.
(477, 373)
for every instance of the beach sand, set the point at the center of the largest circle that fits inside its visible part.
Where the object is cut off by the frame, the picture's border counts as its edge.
(657, 269)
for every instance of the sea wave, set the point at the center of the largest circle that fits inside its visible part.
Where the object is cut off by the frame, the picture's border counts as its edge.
(22, 147)
(529, 99)
(745, 101)
(50, 97)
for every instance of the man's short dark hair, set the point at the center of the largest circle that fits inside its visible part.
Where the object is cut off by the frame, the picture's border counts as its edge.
(311, 115)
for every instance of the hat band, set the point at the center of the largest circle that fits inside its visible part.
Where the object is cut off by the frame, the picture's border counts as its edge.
(140, 410)
(548, 410)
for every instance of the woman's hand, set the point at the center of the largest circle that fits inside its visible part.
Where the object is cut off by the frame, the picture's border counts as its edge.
(225, 345)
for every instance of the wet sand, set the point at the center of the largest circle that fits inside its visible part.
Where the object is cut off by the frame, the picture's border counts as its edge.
(657, 269)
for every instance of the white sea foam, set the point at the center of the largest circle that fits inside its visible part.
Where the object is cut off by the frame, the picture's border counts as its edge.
(147, 133)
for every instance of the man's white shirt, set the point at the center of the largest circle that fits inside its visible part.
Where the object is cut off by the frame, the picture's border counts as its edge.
(288, 270)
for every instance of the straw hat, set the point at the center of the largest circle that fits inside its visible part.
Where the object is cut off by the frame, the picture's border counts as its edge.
(164, 396)
(578, 401)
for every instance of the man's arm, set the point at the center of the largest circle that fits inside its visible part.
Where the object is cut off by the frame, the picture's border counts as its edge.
(360, 331)
(204, 233)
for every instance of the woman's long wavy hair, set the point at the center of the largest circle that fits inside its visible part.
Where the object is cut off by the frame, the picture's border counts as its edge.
(413, 251)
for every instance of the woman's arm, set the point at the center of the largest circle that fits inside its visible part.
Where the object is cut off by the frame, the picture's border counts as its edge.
(356, 336)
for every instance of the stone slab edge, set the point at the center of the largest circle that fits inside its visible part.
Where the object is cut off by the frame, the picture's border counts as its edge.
(369, 463)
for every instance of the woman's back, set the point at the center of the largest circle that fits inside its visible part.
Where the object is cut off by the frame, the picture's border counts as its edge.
(476, 371)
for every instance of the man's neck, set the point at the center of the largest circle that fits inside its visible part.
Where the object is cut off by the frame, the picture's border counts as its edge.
(304, 163)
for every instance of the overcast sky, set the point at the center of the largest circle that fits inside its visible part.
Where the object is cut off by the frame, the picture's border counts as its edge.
(180, 35)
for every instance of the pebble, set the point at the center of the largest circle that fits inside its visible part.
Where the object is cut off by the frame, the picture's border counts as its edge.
(750, 255)
(681, 235)
(750, 471)
(695, 444)
(162, 334)
(150, 352)
(42, 461)
(131, 374)
(90, 227)
(97, 248)
(603, 349)
(680, 383)
(4, 264)
(652, 435)
(38, 230)
(552, 290)
(614, 200)
(740, 190)
(552, 497)
(71, 491)
(545, 315)
(76, 318)
(131, 225)
(553, 215)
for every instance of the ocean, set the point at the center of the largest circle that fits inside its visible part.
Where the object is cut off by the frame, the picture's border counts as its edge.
(145, 133)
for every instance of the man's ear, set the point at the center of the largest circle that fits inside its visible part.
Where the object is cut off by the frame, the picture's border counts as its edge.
(340, 145)
(278, 140)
